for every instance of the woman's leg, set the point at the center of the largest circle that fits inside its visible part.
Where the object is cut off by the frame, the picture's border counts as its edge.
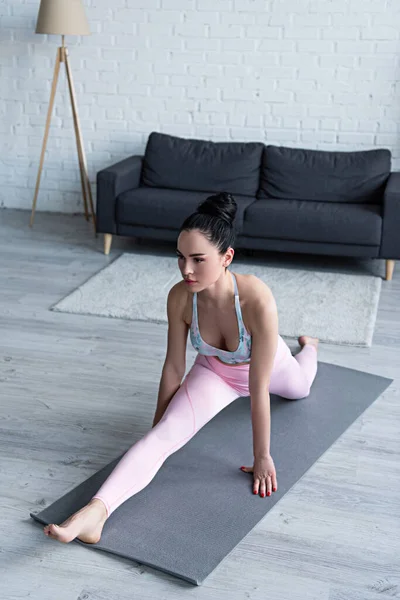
(293, 376)
(202, 395)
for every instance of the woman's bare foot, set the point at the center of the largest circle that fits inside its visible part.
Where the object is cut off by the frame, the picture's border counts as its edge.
(307, 340)
(86, 524)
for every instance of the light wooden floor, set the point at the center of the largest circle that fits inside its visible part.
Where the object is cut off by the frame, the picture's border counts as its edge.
(77, 391)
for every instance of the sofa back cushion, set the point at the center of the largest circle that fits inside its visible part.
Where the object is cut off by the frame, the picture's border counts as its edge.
(324, 176)
(205, 166)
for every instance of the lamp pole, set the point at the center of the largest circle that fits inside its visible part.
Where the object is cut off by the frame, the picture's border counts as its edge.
(64, 16)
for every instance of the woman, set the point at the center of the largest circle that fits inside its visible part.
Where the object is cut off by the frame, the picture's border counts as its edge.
(240, 353)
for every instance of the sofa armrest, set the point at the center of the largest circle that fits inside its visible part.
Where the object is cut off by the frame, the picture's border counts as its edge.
(390, 245)
(122, 176)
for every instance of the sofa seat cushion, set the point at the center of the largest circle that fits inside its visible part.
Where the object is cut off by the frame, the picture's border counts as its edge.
(314, 221)
(198, 165)
(155, 207)
(324, 176)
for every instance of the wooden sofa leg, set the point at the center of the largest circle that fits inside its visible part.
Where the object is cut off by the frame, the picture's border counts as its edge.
(107, 243)
(389, 269)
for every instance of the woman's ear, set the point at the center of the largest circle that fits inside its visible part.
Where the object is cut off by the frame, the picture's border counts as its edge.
(229, 257)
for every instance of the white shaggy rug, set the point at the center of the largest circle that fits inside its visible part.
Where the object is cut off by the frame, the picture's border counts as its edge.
(336, 308)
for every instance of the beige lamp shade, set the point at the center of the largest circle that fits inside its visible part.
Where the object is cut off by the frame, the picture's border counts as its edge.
(64, 17)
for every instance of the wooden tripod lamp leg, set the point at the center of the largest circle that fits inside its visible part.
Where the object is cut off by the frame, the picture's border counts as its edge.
(74, 116)
(81, 152)
(46, 131)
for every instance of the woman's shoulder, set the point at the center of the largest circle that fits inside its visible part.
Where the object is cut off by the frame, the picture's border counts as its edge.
(182, 300)
(255, 295)
(252, 289)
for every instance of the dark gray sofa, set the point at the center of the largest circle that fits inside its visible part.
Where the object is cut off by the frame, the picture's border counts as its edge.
(289, 199)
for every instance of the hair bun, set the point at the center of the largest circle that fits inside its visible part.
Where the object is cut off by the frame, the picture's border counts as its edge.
(222, 205)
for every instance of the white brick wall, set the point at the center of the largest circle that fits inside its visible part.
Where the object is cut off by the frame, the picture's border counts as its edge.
(305, 73)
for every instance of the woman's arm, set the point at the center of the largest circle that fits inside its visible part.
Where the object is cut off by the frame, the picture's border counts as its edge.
(264, 329)
(169, 385)
(175, 361)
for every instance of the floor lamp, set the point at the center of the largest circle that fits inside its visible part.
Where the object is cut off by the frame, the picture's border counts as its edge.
(64, 17)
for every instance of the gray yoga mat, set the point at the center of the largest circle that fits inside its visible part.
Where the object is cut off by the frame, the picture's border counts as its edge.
(199, 505)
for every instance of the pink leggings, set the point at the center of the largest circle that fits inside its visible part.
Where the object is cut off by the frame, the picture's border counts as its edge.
(208, 388)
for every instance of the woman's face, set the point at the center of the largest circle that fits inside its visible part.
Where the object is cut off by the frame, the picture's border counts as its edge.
(205, 268)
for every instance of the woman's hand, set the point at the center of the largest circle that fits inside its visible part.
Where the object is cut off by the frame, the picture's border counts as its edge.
(264, 475)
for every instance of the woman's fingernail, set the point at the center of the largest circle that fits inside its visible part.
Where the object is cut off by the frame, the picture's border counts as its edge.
(254, 491)
(262, 495)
